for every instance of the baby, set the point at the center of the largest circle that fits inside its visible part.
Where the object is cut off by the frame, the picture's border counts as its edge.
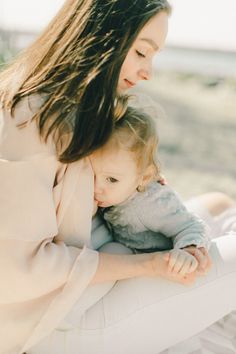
(143, 214)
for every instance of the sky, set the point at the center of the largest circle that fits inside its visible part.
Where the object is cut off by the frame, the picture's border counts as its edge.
(196, 23)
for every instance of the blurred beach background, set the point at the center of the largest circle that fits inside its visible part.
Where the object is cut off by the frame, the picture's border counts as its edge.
(194, 87)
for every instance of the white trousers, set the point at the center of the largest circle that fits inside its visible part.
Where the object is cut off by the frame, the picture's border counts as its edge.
(146, 316)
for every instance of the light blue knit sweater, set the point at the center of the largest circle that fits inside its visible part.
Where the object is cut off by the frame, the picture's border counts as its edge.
(155, 219)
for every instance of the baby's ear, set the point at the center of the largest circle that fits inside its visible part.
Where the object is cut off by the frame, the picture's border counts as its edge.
(148, 175)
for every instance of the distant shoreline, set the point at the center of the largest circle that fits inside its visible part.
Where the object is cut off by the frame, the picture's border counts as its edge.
(202, 49)
(198, 61)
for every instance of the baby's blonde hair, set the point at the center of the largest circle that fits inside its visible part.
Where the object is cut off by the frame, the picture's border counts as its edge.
(136, 132)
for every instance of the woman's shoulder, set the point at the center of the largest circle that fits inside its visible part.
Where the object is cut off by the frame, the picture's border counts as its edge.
(19, 133)
(26, 108)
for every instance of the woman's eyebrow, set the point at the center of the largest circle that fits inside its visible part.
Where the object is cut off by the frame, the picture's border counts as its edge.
(151, 42)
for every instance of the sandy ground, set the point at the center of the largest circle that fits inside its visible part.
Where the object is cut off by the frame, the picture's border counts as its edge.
(197, 130)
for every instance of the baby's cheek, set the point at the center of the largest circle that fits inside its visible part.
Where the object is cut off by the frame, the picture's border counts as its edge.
(95, 208)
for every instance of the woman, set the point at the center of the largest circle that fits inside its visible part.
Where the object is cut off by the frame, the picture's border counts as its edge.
(58, 103)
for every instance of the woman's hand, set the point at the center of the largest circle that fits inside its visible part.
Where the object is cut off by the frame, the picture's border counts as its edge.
(203, 258)
(180, 262)
(160, 267)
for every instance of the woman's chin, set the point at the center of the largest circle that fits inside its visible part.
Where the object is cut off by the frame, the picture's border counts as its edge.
(122, 89)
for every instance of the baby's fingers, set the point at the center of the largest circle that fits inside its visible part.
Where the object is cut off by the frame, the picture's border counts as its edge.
(190, 264)
(193, 265)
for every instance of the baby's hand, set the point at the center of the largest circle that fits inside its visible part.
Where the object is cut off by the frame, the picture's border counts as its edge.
(202, 256)
(180, 262)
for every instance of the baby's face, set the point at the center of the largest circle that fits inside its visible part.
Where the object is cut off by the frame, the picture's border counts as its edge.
(116, 176)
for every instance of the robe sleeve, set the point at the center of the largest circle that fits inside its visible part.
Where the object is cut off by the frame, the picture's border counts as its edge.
(41, 278)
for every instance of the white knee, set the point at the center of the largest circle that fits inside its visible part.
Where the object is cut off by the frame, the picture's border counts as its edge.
(216, 202)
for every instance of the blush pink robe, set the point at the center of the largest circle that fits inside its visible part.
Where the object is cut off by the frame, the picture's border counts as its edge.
(45, 259)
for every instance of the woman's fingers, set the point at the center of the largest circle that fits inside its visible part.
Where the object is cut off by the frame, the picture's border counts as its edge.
(194, 265)
(161, 268)
(189, 266)
(174, 261)
(181, 262)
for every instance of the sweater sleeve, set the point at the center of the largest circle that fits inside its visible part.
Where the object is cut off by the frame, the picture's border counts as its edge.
(161, 210)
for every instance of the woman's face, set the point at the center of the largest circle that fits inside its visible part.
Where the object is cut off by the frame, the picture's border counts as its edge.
(138, 62)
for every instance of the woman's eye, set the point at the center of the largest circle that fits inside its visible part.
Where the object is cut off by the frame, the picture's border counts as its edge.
(140, 54)
(112, 180)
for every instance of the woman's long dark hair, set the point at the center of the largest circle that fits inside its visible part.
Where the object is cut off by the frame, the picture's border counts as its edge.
(75, 65)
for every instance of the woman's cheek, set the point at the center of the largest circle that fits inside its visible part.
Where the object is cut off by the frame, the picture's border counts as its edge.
(129, 66)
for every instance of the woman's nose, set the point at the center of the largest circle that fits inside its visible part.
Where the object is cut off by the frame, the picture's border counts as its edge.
(146, 73)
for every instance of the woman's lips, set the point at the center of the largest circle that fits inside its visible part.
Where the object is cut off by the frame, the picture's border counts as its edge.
(129, 83)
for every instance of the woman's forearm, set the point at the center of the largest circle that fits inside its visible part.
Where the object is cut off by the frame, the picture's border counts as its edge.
(112, 267)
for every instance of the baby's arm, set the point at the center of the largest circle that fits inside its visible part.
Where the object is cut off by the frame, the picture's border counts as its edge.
(168, 215)
(165, 213)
